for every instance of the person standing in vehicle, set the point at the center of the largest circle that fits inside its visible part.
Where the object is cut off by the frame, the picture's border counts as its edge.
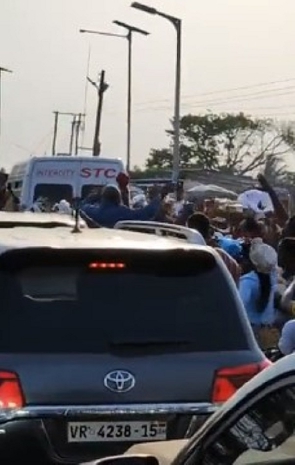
(257, 290)
(123, 183)
(111, 209)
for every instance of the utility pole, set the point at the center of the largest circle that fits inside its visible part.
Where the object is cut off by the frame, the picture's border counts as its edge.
(74, 120)
(56, 115)
(77, 133)
(101, 88)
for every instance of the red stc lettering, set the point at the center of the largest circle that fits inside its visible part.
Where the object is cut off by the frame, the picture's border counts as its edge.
(108, 173)
(85, 172)
(98, 171)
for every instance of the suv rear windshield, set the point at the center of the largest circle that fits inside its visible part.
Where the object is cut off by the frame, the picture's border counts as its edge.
(54, 301)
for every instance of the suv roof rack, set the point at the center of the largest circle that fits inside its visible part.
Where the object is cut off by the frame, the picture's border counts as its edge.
(163, 229)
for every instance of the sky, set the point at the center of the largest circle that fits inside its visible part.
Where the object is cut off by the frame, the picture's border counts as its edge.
(247, 45)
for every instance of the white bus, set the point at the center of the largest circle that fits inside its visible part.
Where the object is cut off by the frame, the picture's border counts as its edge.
(61, 177)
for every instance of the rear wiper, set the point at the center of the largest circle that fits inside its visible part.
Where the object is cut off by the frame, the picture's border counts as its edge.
(146, 343)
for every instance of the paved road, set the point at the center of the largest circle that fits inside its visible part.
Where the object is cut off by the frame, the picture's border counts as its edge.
(167, 451)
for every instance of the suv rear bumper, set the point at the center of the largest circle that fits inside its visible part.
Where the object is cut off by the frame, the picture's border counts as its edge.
(46, 426)
(40, 411)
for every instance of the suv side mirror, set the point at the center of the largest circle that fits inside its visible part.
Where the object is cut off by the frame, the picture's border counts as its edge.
(140, 459)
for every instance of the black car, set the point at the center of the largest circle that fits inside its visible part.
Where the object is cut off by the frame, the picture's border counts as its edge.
(110, 338)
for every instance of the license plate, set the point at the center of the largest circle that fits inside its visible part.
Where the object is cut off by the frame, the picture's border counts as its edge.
(134, 431)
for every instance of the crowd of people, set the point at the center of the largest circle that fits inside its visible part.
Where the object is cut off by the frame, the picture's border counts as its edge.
(259, 252)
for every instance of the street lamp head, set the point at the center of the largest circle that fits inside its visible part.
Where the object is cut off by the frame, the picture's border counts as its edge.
(153, 11)
(5, 70)
(100, 33)
(131, 28)
(145, 8)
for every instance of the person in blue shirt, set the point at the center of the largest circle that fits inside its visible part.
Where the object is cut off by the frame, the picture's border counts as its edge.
(257, 290)
(232, 246)
(287, 339)
(111, 209)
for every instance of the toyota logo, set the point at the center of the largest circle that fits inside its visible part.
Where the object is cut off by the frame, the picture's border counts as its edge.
(119, 381)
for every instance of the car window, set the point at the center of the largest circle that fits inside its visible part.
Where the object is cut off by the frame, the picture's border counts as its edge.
(152, 300)
(53, 192)
(88, 189)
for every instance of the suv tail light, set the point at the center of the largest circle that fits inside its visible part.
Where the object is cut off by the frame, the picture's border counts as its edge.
(229, 380)
(11, 395)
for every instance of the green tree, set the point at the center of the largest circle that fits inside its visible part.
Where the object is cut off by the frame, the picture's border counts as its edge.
(159, 159)
(232, 143)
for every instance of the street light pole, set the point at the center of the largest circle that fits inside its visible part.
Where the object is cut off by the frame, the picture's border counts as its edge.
(176, 147)
(130, 30)
(177, 23)
(129, 100)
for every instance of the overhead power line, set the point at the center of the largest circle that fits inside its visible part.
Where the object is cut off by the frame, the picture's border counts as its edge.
(222, 91)
(267, 93)
(246, 97)
(225, 101)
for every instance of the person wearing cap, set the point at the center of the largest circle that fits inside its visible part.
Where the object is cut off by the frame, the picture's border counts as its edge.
(111, 209)
(257, 290)
(248, 230)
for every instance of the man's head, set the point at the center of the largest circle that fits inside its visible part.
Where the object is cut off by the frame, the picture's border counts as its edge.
(250, 228)
(200, 222)
(123, 180)
(111, 194)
